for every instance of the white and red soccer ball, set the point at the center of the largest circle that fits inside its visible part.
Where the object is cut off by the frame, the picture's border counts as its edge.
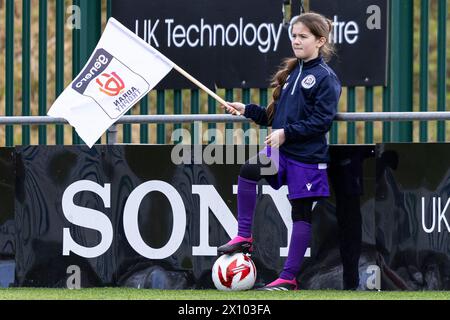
(234, 272)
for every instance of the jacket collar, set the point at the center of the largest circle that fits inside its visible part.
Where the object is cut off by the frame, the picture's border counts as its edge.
(312, 63)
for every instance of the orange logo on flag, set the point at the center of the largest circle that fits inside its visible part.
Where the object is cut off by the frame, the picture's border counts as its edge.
(113, 85)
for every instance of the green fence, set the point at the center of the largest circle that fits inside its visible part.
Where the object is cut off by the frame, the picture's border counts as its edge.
(41, 52)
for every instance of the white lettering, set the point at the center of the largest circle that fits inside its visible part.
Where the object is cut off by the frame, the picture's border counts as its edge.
(188, 37)
(284, 208)
(266, 36)
(276, 39)
(351, 29)
(149, 31)
(441, 215)
(264, 45)
(101, 60)
(441, 218)
(131, 213)
(204, 27)
(253, 40)
(216, 28)
(88, 218)
(211, 200)
(344, 31)
(169, 23)
(179, 33)
(234, 31)
(428, 230)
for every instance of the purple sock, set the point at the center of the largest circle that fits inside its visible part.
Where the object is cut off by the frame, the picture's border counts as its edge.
(301, 235)
(246, 199)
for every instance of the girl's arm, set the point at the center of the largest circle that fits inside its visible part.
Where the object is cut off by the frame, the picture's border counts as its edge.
(257, 114)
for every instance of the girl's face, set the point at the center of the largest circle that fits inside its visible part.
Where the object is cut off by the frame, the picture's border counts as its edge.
(305, 45)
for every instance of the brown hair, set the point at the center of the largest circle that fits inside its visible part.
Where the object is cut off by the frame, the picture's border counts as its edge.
(319, 27)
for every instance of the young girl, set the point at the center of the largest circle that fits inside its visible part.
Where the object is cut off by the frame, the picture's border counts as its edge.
(304, 105)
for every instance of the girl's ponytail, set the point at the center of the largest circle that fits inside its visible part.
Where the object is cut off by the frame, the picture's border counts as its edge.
(278, 81)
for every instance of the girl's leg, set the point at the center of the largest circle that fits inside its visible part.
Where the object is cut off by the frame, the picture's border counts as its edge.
(248, 179)
(246, 202)
(300, 239)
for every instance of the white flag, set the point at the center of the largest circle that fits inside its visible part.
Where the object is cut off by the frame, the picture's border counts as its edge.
(122, 69)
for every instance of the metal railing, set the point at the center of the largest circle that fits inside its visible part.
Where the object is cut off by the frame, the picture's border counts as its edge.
(215, 118)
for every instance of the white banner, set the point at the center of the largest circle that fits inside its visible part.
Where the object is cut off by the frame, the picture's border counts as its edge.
(122, 69)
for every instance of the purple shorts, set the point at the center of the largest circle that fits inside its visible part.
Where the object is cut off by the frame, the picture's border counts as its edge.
(303, 180)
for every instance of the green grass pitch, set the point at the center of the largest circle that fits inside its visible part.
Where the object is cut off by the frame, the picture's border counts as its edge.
(153, 294)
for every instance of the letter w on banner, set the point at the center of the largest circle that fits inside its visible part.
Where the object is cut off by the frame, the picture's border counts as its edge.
(122, 69)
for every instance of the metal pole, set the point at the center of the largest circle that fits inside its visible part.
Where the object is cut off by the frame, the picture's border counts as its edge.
(386, 108)
(229, 96)
(263, 102)
(351, 107)
(424, 47)
(401, 65)
(195, 119)
(26, 73)
(227, 118)
(161, 110)
(177, 105)
(442, 65)
(143, 129)
(76, 63)
(59, 62)
(195, 109)
(211, 110)
(246, 100)
(9, 68)
(112, 134)
(43, 17)
(85, 39)
(368, 130)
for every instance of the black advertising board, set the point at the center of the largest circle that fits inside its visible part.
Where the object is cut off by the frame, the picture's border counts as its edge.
(360, 34)
(224, 44)
(125, 217)
(73, 206)
(7, 222)
(7, 187)
(412, 215)
(240, 44)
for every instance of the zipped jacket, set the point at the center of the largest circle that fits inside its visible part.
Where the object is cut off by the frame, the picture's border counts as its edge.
(305, 110)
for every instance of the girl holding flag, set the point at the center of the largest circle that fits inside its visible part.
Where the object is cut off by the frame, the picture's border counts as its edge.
(305, 101)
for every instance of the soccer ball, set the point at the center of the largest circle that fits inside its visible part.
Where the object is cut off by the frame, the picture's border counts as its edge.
(234, 272)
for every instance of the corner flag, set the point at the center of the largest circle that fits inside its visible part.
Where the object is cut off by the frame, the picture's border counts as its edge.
(122, 69)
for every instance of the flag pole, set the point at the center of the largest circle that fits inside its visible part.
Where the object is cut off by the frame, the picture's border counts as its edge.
(201, 85)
